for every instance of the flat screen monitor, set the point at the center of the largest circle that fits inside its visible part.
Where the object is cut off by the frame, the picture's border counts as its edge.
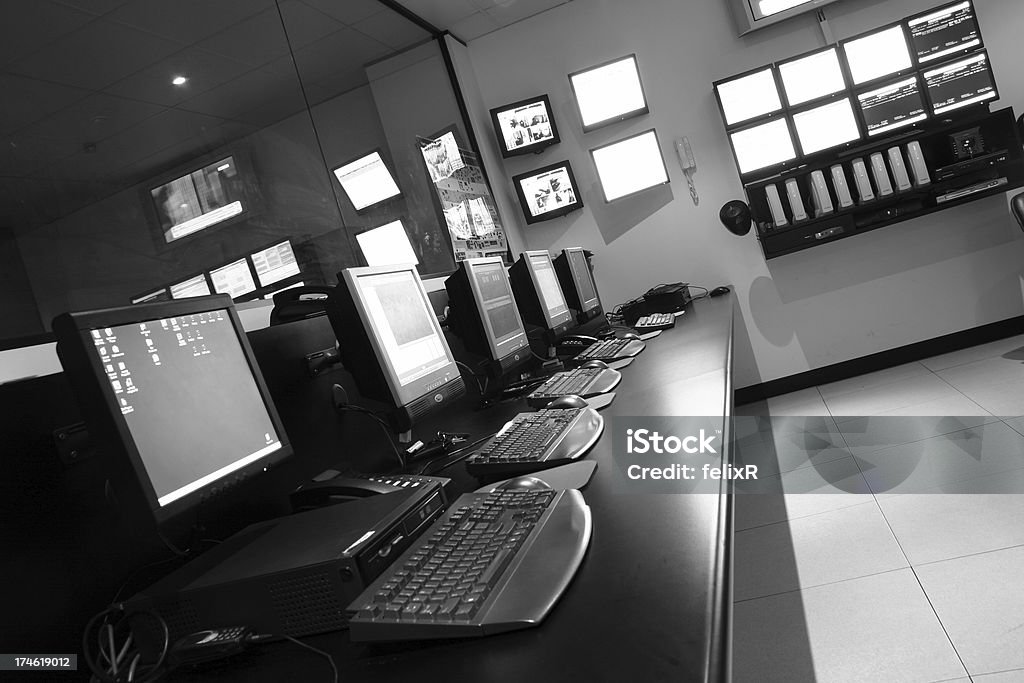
(961, 83)
(631, 165)
(609, 92)
(275, 263)
(763, 146)
(826, 126)
(748, 96)
(944, 32)
(877, 54)
(488, 320)
(538, 294)
(525, 127)
(391, 341)
(194, 286)
(386, 245)
(199, 199)
(234, 279)
(548, 192)
(812, 76)
(174, 388)
(367, 181)
(893, 106)
(578, 283)
(161, 294)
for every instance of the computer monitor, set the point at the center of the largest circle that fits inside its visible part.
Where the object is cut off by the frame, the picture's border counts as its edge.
(609, 92)
(826, 126)
(173, 393)
(944, 32)
(392, 343)
(235, 279)
(748, 96)
(763, 146)
(386, 244)
(812, 76)
(578, 284)
(538, 294)
(161, 294)
(483, 313)
(961, 83)
(525, 127)
(275, 263)
(548, 192)
(892, 106)
(630, 165)
(367, 181)
(194, 286)
(199, 199)
(877, 54)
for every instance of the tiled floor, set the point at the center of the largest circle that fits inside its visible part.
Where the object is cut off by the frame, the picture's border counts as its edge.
(884, 539)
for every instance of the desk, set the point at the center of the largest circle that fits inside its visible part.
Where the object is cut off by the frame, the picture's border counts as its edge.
(652, 600)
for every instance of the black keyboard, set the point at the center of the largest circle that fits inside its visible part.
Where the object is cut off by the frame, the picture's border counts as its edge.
(494, 562)
(537, 441)
(610, 349)
(581, 382)
(655, 321)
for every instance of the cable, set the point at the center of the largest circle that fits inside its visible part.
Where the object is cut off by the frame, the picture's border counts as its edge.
(329, 659)
(351, 407)
(111, 670)
(461, 454)
(475, 376)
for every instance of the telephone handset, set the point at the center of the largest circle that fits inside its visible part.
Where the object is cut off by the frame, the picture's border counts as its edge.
(688, 165)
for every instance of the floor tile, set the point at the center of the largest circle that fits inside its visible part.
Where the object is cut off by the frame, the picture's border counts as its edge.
(868, 434)
(804, 552)
(798, 403)
(899, 373)
(1012, 346)
(1002, 400)
(877, 628)
(800, 493)
(774, 452)
(889, 397)
(980, 602)
(943, 460)
(1016, 676)
(980, 373)
(1017, 424)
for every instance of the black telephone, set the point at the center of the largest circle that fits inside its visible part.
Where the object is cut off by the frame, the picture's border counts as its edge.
(572, 344)
(338, 489)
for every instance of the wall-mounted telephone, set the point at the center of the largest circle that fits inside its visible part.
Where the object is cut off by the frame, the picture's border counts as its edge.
(688, 165)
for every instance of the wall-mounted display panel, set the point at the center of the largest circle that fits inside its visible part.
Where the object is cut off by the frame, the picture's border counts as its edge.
(194, 286)
(524, 127)
(386, 245)
(548, 192)
(755, 14)
(826, 126)
(877, 54)
(631, 165)
(763, 146)
(367, 181)
(609, 92)
(275, 263)
(234, 279)
(812, 76)
(944, 32)
(960, 83)
(748, 96)
(199, 199)
(893, 106)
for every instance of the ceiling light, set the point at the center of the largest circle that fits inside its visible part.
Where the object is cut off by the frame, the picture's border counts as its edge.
(179, 80)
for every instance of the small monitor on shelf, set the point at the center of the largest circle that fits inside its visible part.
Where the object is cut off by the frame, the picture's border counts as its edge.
(877, 54)
(391, 342)
(275, 263)
(763, 146)
(812, 76)
(630, 165)
(538, 294)
(893, 106)
(962, 82)
(944, 32)
(194, 286)
(199, 199)
(826, 126)
(234, 279)
(386, 245)
(609, 92)
(367, 181)
(173, 391)
(548, 192)
(577, 283)
(525, 127)
(748, 96)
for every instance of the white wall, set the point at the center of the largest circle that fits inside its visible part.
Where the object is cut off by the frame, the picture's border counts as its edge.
(950, 271)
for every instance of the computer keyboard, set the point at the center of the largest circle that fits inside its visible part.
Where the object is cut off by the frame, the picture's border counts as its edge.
(610, 349)
(537, 441)
(655, 321)
(494, 562)
(581, 382)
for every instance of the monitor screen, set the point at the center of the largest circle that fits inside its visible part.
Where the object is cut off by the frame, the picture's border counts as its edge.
(367, 181)
(630, 165)
(548, 289)
(387, 245)
(960, 83)
(234, 279)
(199, 199)
(877, 54)
(275, 263)
(827, 126)
(762, 146)
(497, 301)
(748, 97)
(548, 192)
(892, 106)
(944, 32)
(609, 92)
(525, 127)
(156, 295)
(581, 276)
(195, 286)
(811, 77)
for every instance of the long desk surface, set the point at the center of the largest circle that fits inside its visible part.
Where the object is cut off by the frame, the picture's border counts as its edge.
(652, 599)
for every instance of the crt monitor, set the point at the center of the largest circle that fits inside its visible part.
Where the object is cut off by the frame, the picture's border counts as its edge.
(578, 284)
(392, 343)
(538, 294)
(173, 393)
(484, 315)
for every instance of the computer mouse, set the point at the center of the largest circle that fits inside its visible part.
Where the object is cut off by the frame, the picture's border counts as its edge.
(524, 484)
(568, 401)
(629, 335)
(718, 291)
(595, 364)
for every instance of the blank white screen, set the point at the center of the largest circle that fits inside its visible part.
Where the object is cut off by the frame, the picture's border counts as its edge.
(387, 245)
(826, 126)
(879, 54)
(367, 181)
(812, 77)
(762, 146)
(630, 166)
(609, 91)
(749, 97)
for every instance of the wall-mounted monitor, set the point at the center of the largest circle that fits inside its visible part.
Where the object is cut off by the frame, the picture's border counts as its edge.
(892, 106)
(548, 192)
(367, 181)
(194, 286)
(631, 165)
(525, 127)
(748, 96)
(199, 199)
(826, 126)
(960, 83)
(275, 263)
(763, 146)
(609, 92)
(387, 245)
(877, 54)
(944, 32)
(754, 14)
(812, 76)
(234, 279)
(149, 297)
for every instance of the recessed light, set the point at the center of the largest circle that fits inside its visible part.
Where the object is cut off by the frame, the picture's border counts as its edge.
(179, 80)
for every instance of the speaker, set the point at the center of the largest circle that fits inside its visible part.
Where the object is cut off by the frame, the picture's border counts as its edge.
(735, 216)
(1017, 205)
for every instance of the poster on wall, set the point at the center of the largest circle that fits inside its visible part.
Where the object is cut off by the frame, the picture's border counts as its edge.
(464, 200)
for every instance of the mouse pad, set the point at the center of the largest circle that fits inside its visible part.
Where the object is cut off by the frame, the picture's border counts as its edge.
(601, 400)
(575, 475)
(650, 335)
(620, 363)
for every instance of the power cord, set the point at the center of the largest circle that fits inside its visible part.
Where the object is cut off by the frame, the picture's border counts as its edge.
(459, 455)
(112, 664)
(339, 408)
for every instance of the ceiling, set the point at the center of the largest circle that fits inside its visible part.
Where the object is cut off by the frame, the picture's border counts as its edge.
(470, 19)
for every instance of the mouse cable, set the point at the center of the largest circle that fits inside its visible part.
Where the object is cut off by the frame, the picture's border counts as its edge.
(353, 408)
(325, 655)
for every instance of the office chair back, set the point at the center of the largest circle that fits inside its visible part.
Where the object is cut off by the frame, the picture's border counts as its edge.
(299, 303)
